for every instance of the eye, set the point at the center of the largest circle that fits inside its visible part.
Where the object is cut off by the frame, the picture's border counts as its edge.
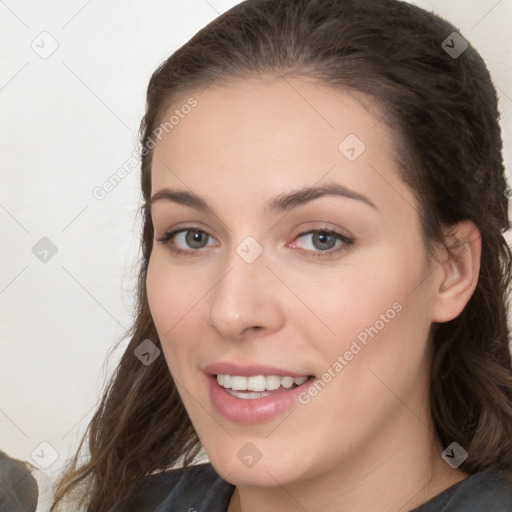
(185, 240)
(321, 242)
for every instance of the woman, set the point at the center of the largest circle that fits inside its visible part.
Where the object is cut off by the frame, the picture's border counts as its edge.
(322, 294)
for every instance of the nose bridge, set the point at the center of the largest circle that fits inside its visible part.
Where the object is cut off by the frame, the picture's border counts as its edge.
(244, 296)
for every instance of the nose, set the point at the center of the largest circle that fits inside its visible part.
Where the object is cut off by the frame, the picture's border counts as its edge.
(246, 300)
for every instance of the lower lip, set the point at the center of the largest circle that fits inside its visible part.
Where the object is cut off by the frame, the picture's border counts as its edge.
(256, 410)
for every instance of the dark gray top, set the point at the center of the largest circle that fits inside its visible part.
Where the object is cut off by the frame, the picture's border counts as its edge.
(18, 488)
(200, 489)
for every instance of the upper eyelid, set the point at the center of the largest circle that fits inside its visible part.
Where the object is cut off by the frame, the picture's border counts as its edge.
(303, 232)
(172, 233)
(348, 239)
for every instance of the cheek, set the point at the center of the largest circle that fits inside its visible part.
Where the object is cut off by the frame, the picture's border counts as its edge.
(381, 343)
(176, 301)
(358, 298)
(167, 303)
(377, 315)
(161, 295)
(172, 294)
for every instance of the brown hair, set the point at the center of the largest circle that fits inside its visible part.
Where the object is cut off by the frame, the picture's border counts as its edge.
(443, 111)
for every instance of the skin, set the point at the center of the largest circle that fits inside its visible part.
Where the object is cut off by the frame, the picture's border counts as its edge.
(366, 441)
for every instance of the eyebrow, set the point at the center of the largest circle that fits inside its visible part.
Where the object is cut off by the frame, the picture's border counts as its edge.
(279, 204)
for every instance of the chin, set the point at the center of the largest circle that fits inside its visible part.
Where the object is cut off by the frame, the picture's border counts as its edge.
(257, 476)
(237, 467)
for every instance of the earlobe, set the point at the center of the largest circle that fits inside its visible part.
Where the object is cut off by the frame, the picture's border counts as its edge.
(458, 271)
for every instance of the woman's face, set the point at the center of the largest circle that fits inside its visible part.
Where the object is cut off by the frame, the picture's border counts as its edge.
(302, 259)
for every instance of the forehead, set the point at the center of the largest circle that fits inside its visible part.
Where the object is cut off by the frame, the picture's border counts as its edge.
(273, 133)
(262, 108)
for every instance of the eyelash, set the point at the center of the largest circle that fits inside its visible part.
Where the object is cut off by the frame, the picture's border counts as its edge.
(168, 237)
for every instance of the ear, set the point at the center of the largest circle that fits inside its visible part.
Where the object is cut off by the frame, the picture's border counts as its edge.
(457, 274)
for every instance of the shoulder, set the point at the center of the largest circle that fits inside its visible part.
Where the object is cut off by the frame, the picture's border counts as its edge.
(18, 487)
(481, 491)
(196, 488)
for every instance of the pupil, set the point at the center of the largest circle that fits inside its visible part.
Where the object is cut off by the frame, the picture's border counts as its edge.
(323, 238)
(195, 237)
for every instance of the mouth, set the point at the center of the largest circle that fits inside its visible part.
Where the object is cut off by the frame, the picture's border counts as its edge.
(258, 386)
(254, 394)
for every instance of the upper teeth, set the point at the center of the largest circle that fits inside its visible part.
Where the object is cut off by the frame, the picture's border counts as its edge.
(258, 382)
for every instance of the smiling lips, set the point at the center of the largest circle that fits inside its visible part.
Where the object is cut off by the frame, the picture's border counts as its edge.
(253, 394)
(258, 386)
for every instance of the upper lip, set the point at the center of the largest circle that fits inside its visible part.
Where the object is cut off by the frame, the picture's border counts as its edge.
(249, 370)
